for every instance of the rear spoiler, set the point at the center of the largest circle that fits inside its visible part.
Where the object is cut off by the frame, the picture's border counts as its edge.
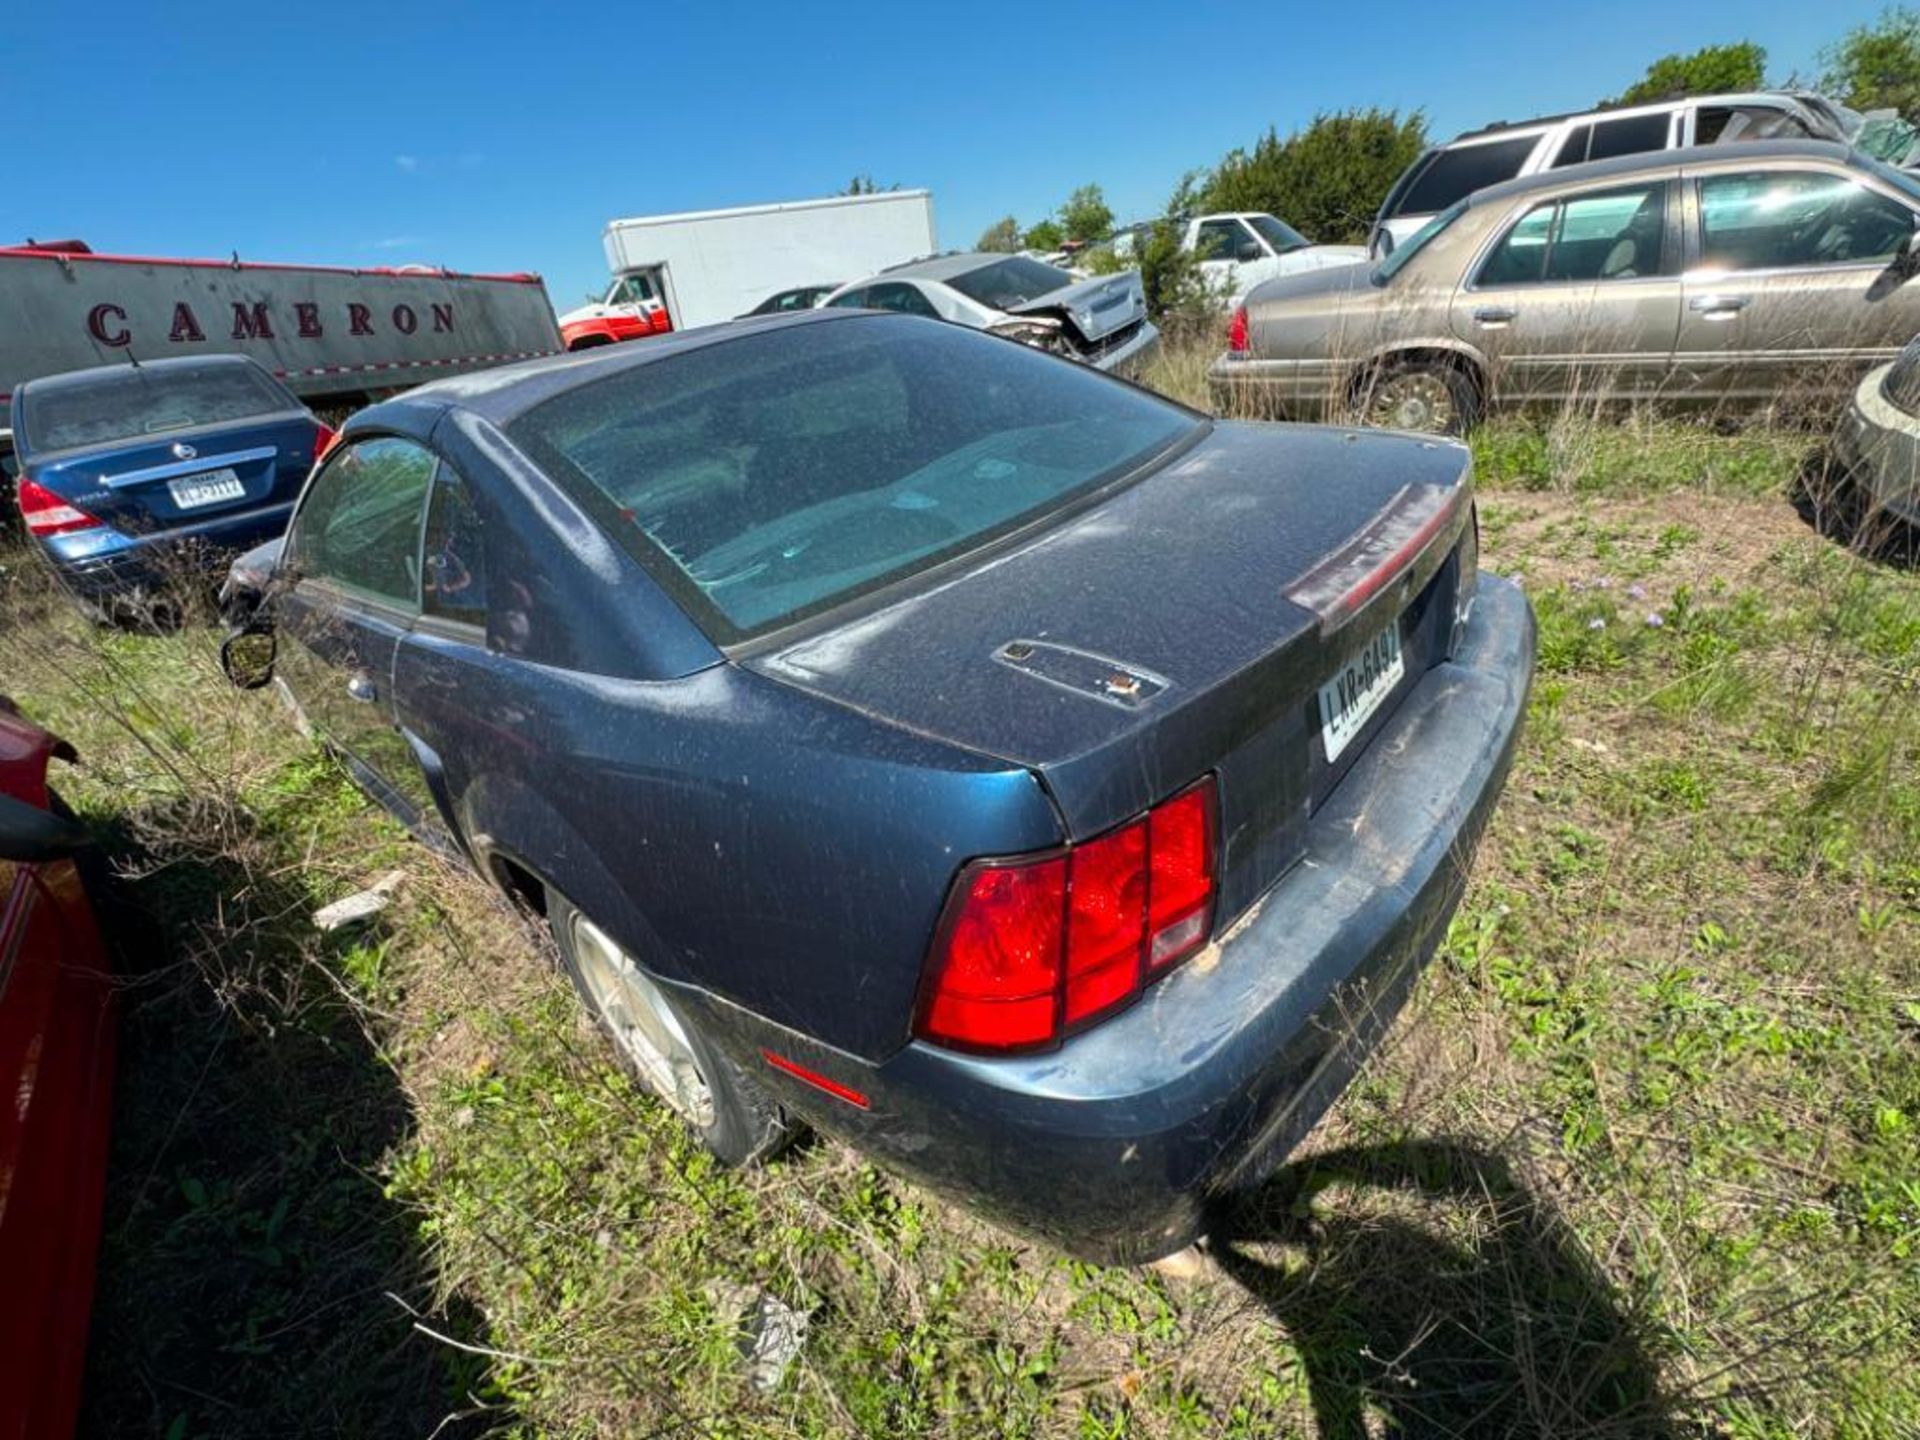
(1420, 521)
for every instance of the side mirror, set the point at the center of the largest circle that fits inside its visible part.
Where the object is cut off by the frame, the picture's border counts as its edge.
(32, 836)
(246, 657)
(1246, 250)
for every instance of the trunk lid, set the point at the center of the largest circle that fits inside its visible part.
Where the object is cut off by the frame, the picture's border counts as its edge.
(1151, 639)
(1096, 307)
(185, 476)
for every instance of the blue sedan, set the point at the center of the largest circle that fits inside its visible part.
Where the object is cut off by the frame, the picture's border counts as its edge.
(1048, 788)
(133, 476)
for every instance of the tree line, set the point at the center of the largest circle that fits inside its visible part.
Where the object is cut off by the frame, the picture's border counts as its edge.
(1327, 179)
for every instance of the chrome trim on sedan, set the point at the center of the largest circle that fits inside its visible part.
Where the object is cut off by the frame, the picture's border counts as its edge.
(195, 466)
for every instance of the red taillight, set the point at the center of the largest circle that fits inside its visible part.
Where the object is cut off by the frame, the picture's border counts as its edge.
(1180, 882)
(999, 967)
(324, 440)
(46, 513)
(1032, 948)
(1237, 343)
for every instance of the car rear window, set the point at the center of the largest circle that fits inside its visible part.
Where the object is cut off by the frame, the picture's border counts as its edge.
(769, 477)
(1012, 281)
(1458, 172)
(153, 400)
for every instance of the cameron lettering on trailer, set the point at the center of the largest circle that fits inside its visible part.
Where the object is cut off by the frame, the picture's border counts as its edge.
(107, 322)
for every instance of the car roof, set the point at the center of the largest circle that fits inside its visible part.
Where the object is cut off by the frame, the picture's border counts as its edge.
(179, 364)
(1748, 151)
(505, 392)
(945, 267)
(1597, 112)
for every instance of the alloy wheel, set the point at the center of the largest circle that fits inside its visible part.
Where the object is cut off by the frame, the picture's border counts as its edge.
(643, 1024)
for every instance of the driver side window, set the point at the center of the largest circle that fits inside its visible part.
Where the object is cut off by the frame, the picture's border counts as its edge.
(1787, 219)
(359, 527)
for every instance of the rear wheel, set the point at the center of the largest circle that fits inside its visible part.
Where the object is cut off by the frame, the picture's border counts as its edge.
(660, 1045)
(1428, 396)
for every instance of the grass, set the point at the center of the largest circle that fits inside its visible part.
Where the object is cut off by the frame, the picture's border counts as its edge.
(1642, 1158)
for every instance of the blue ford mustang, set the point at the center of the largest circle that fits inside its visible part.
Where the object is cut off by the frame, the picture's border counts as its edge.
(1046, 787)
(130, 474)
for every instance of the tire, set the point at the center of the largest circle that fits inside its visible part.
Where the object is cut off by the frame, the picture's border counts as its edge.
(1427, 396)
(658, 1043)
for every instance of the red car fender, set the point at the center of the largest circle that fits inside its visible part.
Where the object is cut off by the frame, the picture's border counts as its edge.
(606, 330)
(57, 1030)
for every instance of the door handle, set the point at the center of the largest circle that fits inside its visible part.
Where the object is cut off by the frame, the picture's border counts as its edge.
(1492, 317)
(1717, 307)
(362, 688)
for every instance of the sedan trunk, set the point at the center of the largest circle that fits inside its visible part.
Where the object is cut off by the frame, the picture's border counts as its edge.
(1187, 625)
(187, 475)
(1096, 308)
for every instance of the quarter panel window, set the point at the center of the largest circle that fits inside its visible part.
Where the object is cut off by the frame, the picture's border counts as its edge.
(1793, 219)
(454, 578)
(360, 524)
(1724, 124)
(852, 300)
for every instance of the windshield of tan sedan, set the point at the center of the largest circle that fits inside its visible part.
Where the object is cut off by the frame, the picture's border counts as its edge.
(769, 477)
(1384, 272)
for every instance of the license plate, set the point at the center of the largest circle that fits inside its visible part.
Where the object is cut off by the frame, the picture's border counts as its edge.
(1348, 701)
(209, 488)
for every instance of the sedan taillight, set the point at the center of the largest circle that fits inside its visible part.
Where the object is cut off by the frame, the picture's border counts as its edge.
(46, 513)
(1238, 342)
(1034, 947)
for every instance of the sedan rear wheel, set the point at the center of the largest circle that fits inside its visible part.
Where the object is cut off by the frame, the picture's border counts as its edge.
(1429, 398)
(660, 1045)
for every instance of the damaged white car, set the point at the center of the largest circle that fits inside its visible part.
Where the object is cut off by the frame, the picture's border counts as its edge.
(1100, 322)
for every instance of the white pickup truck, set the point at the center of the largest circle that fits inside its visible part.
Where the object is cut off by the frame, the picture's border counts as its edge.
(1240, 249)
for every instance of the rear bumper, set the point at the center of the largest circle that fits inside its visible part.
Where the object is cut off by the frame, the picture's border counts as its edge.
(104, 564)
(1880, 447)
(1295, 388)
(1117, 1146)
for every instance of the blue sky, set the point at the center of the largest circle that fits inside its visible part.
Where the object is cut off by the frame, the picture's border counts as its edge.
(497, 136)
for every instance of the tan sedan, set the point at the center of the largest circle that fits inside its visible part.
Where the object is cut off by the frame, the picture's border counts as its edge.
(1705, 276)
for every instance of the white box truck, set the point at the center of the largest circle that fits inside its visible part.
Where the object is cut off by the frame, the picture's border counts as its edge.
(672, 272)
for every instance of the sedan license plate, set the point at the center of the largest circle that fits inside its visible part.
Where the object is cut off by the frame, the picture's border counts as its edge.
(1348, 701)
(208, 488)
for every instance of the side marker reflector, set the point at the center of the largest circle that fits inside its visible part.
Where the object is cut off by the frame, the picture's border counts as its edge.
(814, 1078)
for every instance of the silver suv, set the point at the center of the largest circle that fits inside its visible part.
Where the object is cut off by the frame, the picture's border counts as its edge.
(1722, 274)
(1450, 172)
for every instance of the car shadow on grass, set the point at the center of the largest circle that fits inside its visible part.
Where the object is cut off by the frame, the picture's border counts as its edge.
(1833, 503)
(253, 1277)
(1426, 1289)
